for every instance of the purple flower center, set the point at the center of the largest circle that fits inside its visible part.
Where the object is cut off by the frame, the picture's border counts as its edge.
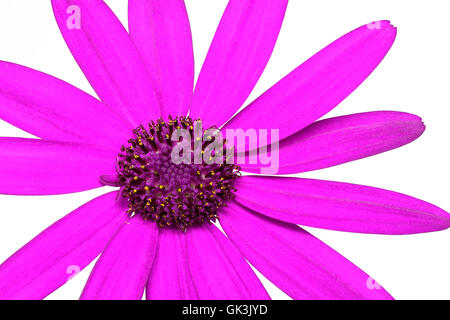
(170, 194)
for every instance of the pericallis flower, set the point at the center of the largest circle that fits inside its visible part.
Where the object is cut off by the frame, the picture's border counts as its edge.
(155, 231)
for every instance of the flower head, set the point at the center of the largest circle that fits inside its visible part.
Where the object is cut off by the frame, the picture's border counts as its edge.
(159, 219)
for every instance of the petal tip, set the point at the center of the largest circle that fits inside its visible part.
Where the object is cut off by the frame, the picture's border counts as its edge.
(381, 25)
(420, 126)
(447, 220)
(385, 26)
(415, 122)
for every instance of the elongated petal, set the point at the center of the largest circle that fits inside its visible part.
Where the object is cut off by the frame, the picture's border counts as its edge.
(238, 55)
(51, 259)
(338, 140)
(170, 278)
(216, 268)
(320, 84)
(107, 56)
(53, 109)
(122, 270)
(294, 260)
(339, 206)
(161, 31)
(40, 167)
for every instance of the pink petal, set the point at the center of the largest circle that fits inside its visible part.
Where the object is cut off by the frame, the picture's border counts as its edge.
(161, 31)
(53, 109)
(215, 269)
(122, 270)
(238, 55)
(339, 206)
(66, 247)
(320, 84)
(170, 278)
(338, 140)
(294, 260)
(107, 56)
(40, 167)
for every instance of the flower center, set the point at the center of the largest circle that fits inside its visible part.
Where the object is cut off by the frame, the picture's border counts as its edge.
(173, 193)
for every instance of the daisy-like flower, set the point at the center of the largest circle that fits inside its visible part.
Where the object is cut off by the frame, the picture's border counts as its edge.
(155, 231)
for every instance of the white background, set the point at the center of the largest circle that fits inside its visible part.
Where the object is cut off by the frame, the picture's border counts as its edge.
(413, 78)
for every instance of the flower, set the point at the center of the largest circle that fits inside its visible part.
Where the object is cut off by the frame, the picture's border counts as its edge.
(148, 75)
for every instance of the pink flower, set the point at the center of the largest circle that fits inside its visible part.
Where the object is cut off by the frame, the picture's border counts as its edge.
(149, 74)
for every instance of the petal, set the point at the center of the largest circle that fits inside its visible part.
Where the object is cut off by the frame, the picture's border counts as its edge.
(55, 110)
(108, 58)
(170, 278)
(320, 84)
(339, 206)
(161, 31)
(40, 167)
(239, 52)
(338, 140)
(294, 260)
(216, 270)
(122, 270)
(69, 245)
